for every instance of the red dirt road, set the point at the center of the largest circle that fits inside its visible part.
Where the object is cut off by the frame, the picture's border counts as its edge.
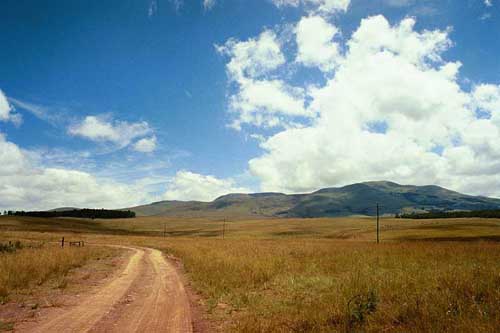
(146, 296)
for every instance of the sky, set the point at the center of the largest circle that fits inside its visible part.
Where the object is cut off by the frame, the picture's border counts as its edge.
(112, 104)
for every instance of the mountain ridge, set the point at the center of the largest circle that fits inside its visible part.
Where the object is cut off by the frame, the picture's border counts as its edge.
(353, 199)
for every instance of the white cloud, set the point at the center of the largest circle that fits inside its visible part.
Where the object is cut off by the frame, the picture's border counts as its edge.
(260, 100)
(55, 116)
(26, 185)
(145, 145)
(263, 103)
(485, 16)
(6, 112)
(488, 3)
(399, 3)
(4, 107)
(331, 6)
(39, 111)
(375, 35)
(208, 4)
(100, 129)
(396, 77)
(254, 57)
(284, 3)
(487, 98)
(321, 6)
(315, 44)
(187, 185)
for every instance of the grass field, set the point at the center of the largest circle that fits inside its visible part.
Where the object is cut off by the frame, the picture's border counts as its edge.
(318, 285)
(353, 229)
(32, 266)
(320, 274)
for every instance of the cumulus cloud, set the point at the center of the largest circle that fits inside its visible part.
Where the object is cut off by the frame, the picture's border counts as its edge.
(322, 6)
(120, 133)
(26, 185)
(487, 99)
(260, 100)
(6, 111)
(145, 145)
(186, 185)
(254, 57)
(264, 103)
(488, 3)
(315, 45)
(394, 110)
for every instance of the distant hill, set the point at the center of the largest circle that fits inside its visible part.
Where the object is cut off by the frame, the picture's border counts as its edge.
(356, 199)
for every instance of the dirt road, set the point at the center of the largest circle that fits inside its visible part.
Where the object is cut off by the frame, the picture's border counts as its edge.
(146, 296)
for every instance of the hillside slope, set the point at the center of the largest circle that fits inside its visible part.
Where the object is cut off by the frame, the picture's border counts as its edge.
(356, 199)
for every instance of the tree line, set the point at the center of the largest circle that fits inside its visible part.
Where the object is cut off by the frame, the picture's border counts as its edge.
(489, 214)
(80, 213)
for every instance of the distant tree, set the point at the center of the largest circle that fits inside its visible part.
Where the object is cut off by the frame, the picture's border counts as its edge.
(81, 213)
(454, 214)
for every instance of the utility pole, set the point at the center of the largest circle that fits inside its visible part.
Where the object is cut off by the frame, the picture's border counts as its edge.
(378, 225)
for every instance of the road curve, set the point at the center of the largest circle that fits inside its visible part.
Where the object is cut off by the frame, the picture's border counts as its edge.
(147, 296)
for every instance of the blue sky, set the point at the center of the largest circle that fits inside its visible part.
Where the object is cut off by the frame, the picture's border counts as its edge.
(137, 96)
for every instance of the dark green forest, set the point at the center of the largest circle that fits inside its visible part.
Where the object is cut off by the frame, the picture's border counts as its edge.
(455, 214)
(80, 213)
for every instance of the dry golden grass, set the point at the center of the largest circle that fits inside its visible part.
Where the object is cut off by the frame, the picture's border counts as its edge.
(356, 229)
(31, 267)
(331, 286)
(324, 275)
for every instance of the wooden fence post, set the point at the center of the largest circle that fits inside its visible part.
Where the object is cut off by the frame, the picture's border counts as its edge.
(62, 242)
